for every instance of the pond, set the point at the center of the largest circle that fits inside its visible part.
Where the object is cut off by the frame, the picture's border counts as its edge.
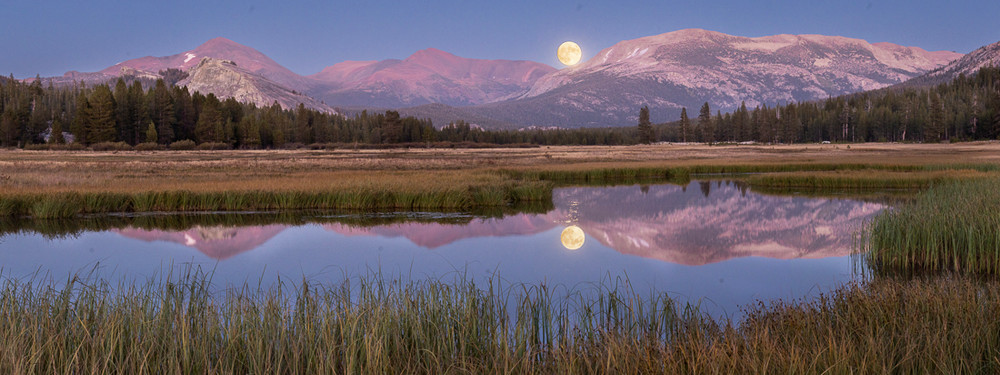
(714, 243)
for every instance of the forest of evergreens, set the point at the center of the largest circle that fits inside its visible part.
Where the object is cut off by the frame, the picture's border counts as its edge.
(967, 108)
(149, 114)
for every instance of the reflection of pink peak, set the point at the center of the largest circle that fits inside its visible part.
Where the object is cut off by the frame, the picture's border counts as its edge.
(216, 242)
(670, 224)
(434, 235)
(689, 228)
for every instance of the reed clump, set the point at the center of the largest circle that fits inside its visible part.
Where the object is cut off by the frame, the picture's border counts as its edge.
(374, 325)
(949, 227)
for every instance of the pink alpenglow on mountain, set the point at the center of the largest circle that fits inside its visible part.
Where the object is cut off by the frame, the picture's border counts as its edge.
(687, 68)
(218, 48)
(427, 76)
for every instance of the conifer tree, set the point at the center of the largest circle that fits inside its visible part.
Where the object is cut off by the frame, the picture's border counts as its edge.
(685, 124)
(392, 127)
(935, 127)
(209, 121)
(303, 125)
(102, 116)
(705, 123)
(741, 123)
(81, 119)
(162, 112)
(139, 113)
(646, 133)
(123, 112)
(185, 112)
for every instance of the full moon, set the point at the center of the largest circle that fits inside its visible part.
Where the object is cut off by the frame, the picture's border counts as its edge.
(569, 53)
(572, 237)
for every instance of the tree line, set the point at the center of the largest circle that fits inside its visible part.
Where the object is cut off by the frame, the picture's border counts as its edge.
(134, 112)
(966, 108)
(161, 114)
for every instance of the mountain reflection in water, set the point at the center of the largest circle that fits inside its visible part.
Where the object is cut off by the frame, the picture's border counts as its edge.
(705, 222)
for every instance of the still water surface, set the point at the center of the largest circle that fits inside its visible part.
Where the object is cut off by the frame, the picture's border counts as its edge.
(710, 242)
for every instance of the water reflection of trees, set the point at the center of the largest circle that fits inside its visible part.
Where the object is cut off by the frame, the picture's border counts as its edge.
(62, 228)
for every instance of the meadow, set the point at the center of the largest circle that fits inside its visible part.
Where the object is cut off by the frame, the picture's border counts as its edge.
(929, 305)
(60, 184)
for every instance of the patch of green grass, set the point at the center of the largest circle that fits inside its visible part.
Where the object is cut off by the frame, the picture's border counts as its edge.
(953, 226)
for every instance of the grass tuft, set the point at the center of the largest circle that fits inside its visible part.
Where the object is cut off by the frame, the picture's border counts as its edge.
(949, 227)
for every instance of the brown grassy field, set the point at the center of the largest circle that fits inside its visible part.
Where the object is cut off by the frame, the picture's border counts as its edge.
(418, 171)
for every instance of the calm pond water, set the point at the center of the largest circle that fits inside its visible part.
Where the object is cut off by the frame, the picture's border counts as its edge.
(713, 242)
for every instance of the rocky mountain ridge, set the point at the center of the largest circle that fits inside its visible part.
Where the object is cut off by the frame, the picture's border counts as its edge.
(968, 65)
(669, 71)
(226, 79)
(689, 67)
(425, 77)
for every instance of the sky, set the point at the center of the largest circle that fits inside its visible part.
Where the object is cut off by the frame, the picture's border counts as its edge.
(51, 37)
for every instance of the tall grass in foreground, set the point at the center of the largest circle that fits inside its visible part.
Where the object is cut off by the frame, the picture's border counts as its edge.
(373, 325)
(953, 226)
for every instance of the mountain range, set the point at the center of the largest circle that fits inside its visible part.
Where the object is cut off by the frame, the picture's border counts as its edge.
(968, 65)
(667, 72)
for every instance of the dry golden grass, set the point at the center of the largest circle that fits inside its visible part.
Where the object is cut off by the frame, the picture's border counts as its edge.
(427, 170)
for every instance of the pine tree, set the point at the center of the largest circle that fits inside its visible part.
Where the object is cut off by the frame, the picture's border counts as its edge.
(102, 116)
(741, 123)
(790, 124)
(184, 111)
(646, 133)
(139, 113)
(209, 121)
(81, 119)
(162, 112)
(705, 123)
(392, 128)
(303, 125)
(123, 112)
(934, 129)
(685, 124)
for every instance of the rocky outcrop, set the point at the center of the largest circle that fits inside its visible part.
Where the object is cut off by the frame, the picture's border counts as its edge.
(226, 79)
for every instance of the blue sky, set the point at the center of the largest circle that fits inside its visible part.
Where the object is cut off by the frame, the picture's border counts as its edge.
(50, 37)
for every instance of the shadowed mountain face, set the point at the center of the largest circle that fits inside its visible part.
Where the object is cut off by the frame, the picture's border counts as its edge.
(967, 65)
(706, 222)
